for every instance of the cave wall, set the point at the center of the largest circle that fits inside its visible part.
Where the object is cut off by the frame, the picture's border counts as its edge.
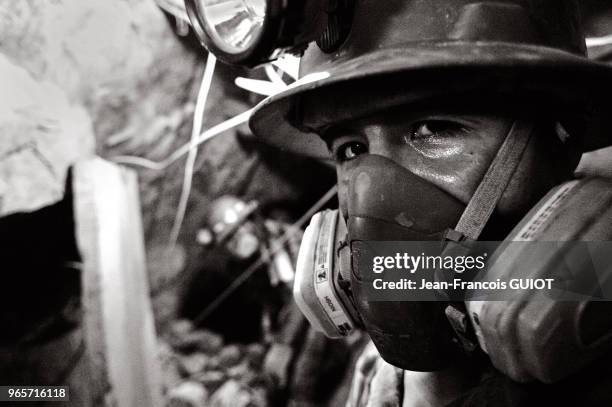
(102, 77)
(81, 75)
(112, 78)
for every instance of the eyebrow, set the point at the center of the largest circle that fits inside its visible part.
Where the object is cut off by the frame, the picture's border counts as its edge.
(327, 136)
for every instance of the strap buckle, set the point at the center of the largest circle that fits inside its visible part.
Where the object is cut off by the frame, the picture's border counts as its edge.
(456, 314)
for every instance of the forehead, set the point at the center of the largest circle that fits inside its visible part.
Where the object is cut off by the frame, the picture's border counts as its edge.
(468, 110)
(315, 111)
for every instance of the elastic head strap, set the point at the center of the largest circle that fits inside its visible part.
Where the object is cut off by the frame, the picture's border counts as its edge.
(494, 183)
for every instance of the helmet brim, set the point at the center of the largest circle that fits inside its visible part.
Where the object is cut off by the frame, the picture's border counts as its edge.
(464, 66)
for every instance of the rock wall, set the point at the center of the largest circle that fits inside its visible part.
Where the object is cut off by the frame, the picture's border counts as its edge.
(111, 77)
(41, 132)
(81, 78)
(80, 73)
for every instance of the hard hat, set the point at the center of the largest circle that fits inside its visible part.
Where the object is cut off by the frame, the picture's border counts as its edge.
(403, 51)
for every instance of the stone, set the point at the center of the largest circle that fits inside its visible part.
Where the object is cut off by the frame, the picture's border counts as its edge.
(209, 342)
(232, 394)
(43, 132)
(212, 379)
(241, 372)
(181, 327)
(171, 375)
(213, 363)
(230, 356)
(255, 354)
(259, 396)
(188, 394)
(201, 341)
(259, 379)
(192, 364)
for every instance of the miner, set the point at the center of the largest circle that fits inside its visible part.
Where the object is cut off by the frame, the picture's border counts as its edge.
(446, 120)
(420, 100)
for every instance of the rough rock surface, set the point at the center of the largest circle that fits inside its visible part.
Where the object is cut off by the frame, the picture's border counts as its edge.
(229, 375)
(42, 132)
(80, 75)
(188, 394)
(111, 77)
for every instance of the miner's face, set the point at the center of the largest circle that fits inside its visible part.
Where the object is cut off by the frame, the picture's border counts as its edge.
(450, 148)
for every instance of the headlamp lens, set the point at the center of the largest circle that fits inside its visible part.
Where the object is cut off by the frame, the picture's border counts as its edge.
(234, 25)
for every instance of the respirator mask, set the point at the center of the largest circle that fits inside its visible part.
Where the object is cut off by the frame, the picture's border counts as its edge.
(386, 202)
(381, 206)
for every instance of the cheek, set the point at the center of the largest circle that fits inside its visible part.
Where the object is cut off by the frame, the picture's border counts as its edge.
(456, 167)
(438, 147)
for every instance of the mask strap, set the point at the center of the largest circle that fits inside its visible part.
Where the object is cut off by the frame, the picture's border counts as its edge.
(494, 183)
(479, 210)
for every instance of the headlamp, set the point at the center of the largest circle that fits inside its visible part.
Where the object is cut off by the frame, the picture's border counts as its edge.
(251, 32)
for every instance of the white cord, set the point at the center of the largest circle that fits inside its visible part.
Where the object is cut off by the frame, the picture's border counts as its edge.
(273, 86)
(274, 76)
(184, 149)
(197, 138)
(259, 87)
(289, 64)
(198, 117)
(599, 41)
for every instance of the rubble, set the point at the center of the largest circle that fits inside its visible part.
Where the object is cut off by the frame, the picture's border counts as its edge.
(255, 354)
(233, 394)
(230, 356)
(212, 379)
(192, 364)
(199, 370)
(168, 362)
(188, 394)
(201, 341)
(180, 328)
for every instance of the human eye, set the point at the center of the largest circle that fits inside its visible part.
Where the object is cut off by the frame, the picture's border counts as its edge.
(349, 150)
(431, 130)
(345, 145)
